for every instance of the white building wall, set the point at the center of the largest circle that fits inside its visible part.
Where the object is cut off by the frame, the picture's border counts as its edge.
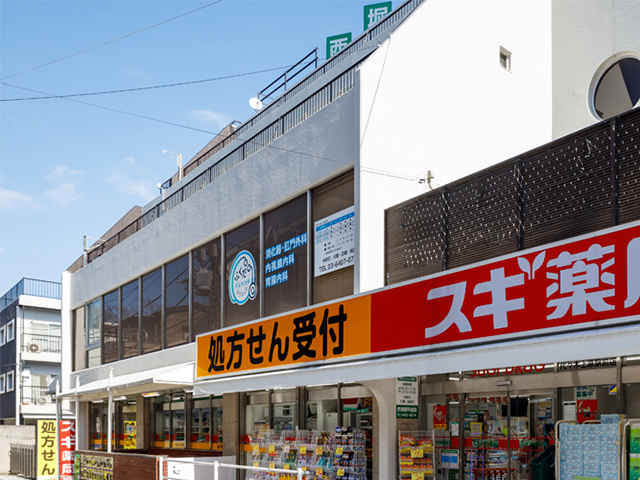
(435, 97)
(585, 34)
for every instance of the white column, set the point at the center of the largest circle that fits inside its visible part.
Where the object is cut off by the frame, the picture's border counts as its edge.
(109, 421)
(384, 392)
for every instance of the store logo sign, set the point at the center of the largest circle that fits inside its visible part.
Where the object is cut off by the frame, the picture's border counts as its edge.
(242, 278)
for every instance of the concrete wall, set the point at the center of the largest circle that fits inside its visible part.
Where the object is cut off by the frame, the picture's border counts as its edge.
(13, 433)
(586, 33)
(261, 182)
(435, 97)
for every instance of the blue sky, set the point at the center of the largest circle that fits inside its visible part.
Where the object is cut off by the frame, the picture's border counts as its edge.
(67, 169)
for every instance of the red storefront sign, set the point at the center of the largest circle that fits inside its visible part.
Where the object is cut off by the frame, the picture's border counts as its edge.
(67, 436)
(586, 410)
(573, 284)
(440, 417)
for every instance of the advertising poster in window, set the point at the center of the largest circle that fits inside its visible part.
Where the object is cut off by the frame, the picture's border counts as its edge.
(67, 445)
(334, 242)
(242, 257)
(46, 451)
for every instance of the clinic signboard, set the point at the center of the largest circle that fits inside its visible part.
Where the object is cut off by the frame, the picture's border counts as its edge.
(574, 284)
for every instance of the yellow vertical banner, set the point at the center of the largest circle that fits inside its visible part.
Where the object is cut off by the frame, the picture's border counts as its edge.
(47, 452)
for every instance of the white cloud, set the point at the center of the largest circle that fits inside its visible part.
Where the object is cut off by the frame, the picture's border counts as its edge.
(142, 189)
(12, 198)
(220, 120)
(63, 194)
(62, 172)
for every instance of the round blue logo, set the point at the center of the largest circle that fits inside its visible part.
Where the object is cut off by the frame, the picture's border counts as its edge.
(242, 278)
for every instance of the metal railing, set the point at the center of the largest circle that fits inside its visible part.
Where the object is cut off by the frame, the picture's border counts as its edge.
(22, 459)
(33, 287)
(37, 343)
(175, 469)
(36, 395)
(247, 146)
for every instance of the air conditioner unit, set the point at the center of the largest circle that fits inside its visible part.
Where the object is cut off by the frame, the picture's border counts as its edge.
(33, 347)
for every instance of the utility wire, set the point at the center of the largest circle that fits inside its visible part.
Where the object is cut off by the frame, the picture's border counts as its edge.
(113, 40)
(140, 89)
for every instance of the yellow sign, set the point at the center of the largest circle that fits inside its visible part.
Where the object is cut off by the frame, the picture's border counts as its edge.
(319, 472)
(417, 475)
(47, 451)
(303, 450)
(272, 465)
(129, 434)
(272, 449)
(319, 450)
(340, 472)
(339, 450)
(331, 331)
(417, 452)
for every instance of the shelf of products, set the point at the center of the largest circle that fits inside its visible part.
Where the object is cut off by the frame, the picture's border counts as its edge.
(327, 456)
(417, 455)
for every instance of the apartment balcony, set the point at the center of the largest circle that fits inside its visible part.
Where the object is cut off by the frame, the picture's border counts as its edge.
(41, 348)
(35, 400)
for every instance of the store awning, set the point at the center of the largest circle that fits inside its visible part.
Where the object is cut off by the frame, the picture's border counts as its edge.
(167, 378)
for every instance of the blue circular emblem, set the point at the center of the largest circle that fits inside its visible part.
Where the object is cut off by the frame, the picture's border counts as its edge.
(242, 278)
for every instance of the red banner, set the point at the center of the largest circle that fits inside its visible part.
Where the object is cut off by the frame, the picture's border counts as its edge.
(586, 410)
(67, 436)
(593, 281)
(440, 417)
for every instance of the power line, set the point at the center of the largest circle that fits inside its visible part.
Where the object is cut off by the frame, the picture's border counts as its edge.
(113, 40)
(140, 89)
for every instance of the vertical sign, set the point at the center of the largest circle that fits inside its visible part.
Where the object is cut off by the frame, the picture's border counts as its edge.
(337, 43)
(334, 242)
(47, 453)
(440, 417)
(67, 443)
(407, 397)
(375, 12)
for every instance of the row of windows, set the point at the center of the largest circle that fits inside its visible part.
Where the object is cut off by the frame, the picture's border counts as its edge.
(8, 332)
(7, 382)
(260, 268)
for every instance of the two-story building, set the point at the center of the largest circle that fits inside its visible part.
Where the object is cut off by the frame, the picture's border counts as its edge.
(286, 213)
(30, 350)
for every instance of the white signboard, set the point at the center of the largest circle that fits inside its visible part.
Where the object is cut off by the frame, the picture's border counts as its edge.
(335, 242)
(407, 397)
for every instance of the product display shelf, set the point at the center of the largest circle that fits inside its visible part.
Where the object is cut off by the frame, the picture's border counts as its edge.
(325, 456)
(417, 455)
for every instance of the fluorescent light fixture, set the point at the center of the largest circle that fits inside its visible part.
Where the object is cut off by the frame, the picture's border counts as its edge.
(97, 401)
(151, 394)
(120, 398)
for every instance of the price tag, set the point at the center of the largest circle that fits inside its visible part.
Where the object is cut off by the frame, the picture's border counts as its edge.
(272, 465)
(339, 450)
(286, 466)
(319, 450)
(417, 475)
(256, 464)
(303, 450)
(319, 472)
(256, 449)
(340, 472)
(272, 449)
(417, 452)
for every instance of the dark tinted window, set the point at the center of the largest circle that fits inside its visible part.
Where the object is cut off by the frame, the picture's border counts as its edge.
(176, 297)
(110, 321)
(151, 307)
(618, 89)
(206, 287)
(130, 319)
(241, 274)
(285, 257)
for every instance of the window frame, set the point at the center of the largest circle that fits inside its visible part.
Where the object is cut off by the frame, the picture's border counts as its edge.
(12, 375)
(3, 335)
(11, 327)
(3, 383)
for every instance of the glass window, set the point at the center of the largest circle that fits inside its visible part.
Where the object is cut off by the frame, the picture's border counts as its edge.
(177, 421)
(285, 257)
(129, 339)
(128, 426)
(162, 422)
(93, 357)
(241, 273)
(3, 383)
(176, 292)
(93, 322)
(257, 413)
(98, 426)
(10, 381)
(110, 321)
(151, 311)
(11, 331)
(3, 336)
(322, 409)
(328, 199)
(206, 424)
(206, 287)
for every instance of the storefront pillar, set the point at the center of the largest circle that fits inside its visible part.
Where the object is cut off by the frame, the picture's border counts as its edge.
(231, 424)
(141, 424)
(82, 425)
(385, 434)
(110, 422)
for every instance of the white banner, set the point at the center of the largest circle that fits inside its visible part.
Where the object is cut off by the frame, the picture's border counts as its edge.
(335, 242)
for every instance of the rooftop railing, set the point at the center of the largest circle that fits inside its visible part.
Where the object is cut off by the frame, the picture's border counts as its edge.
(248, 144)
(33, 287)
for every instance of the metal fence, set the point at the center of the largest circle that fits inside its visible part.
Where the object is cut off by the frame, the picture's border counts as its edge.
(37, 343)
(583, 182)
(247, 146)
(33, 287)
(36, 395)
(22, 459)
